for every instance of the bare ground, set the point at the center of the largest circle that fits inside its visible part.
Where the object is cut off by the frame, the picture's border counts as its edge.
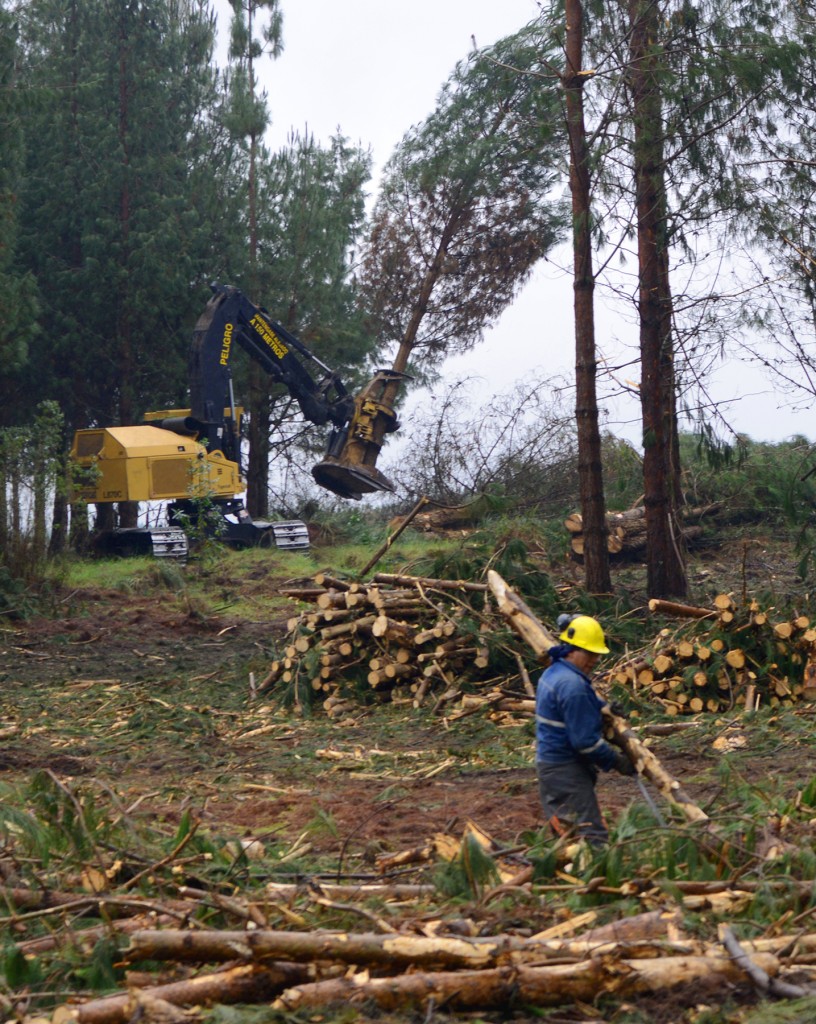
(155, 701)
(150, 698)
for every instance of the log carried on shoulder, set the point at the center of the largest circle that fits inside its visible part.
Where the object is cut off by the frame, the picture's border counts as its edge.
(525, 623)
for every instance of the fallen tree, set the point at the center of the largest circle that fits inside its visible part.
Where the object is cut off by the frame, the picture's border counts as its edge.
(518, 986)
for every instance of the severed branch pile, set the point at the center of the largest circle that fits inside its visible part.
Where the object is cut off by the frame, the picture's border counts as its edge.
(411, 633)
(405, 637)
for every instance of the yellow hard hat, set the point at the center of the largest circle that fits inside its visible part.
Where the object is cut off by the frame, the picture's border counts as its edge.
(586, 633)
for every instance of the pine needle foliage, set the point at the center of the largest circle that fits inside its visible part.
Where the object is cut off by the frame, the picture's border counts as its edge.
(468, 874)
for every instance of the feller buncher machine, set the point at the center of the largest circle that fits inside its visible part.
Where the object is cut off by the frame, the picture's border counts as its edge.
(180, 456)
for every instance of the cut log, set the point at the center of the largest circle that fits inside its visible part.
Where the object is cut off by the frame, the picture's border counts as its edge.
(323, 579)
(381, 550)
(535, 986)
(424, 582)
(248, 983)
(663, 664)
(687, 611)
(519, 615)
(735, 658)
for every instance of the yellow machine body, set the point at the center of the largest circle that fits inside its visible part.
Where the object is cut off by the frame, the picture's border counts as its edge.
(149, 464)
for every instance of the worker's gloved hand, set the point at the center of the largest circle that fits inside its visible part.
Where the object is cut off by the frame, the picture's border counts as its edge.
(623, 764)
(617, 708)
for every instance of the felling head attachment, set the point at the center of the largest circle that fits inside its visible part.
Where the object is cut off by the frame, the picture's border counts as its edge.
(349, 468)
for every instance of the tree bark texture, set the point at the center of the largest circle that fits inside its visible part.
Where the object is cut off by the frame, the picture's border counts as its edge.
(666, 572)
(536, 986)
(590, 469)
(247, 983)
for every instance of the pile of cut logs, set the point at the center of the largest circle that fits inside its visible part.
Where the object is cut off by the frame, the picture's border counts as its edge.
(626, 536)
(408, 636)
(410, 632)
(731, 656)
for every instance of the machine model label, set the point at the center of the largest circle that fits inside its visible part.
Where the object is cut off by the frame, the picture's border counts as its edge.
(226, 342)
(269, 336)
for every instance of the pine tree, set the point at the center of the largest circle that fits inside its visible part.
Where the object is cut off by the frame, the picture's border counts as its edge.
(117, 211)
(465, 210)
(590, 467)
(312, 205)
(256, 30)
(18, 294)
(678, 94)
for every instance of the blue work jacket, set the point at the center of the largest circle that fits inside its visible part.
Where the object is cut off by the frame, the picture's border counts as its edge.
(568, 719)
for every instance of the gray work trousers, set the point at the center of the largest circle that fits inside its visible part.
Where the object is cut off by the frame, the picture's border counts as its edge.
(567, 793)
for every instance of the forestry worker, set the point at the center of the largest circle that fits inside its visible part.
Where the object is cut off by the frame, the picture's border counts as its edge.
(570, 748)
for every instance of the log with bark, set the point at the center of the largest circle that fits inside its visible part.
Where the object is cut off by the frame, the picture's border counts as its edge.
(654, 934)
(505, 987)
(626, 531)
(246, 983)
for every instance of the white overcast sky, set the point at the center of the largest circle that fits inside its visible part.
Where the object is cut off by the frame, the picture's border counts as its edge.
(372, 68)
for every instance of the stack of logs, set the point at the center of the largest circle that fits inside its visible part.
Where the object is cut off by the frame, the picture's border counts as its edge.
(400, 631)
(626, 537)
(732, 656)
(409, 636)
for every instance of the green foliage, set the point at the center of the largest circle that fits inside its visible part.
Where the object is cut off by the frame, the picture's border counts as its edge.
(203, 524)
(19, 970)
(103, 969)
(16, 600)
(468, 874)
(18, 291)
(20, 827)
(30, 471)
(73, 823)
(622, 473)
(763, 481)
(122, 240)
(475, 180)
(791, 1011)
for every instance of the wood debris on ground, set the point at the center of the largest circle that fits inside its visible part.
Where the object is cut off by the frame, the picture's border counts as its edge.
(427, 960)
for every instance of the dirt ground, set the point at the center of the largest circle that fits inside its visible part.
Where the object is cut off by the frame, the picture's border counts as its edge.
(146, 700)
(114, 693)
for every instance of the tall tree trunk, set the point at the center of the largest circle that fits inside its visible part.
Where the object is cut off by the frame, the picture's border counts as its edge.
(128, 510)
(39, 479)
(4, 507)
(59, 522)
(666, 575)
(670, 399)
(590, 468)
(258, 436)
(16, 523)
(260, 410)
